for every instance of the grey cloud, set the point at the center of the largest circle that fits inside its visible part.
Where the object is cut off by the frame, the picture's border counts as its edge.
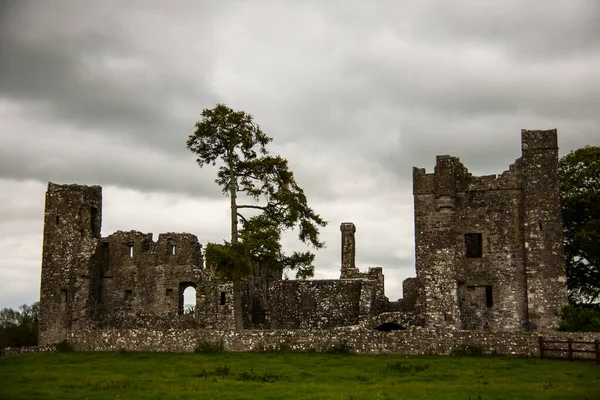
(70, 78)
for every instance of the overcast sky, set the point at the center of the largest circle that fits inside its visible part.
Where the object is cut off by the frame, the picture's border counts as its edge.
(354, 93)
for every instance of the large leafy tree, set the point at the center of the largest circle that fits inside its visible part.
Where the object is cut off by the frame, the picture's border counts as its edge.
(580, 188)
(19, 328)
(264, 198)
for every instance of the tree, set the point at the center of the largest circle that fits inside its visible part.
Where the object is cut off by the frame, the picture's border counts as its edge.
(232, 139)
(19, 328)
(580, 189)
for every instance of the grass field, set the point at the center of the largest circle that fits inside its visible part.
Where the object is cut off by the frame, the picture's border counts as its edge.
(291, 376)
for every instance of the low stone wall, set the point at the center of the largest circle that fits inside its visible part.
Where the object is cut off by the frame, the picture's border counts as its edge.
(361, 341)
(9, 351)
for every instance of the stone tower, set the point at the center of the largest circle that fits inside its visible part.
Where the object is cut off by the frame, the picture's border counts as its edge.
(542, 228)
(489, 251)
(72, 222)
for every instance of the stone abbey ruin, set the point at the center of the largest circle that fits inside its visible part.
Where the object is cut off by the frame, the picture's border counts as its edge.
(489, 261)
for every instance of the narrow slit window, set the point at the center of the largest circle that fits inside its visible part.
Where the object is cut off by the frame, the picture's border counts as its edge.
(130, 245)
(64, 295)
(489, 299)
(473, 245)
(222, 298)
(94, 221)
(57, 220)
(173, 249)
(540, 226)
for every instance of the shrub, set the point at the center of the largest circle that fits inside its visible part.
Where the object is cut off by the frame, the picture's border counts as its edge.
(63, 347)
(222, 370)
(340, 348)
(210, 347)
(579, 319)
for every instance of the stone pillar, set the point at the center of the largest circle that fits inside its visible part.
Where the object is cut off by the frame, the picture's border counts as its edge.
(349, 269)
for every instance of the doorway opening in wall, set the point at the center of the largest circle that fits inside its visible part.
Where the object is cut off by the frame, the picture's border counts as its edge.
(187, 298)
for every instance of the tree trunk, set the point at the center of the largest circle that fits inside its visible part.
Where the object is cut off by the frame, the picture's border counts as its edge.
(237, 284)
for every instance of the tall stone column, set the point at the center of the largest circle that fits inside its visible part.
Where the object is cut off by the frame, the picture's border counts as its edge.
(349, 269)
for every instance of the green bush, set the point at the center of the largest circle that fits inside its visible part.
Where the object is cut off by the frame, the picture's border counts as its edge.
(340, 348)
(210, 347)
(64, 347)
(579, 319)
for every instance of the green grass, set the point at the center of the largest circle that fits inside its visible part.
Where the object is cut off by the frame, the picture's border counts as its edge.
(291, 376)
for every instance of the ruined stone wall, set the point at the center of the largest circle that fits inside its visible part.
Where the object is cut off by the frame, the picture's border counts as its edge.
(481, 260)
(414, 341)
(316, 304)
(125, 280)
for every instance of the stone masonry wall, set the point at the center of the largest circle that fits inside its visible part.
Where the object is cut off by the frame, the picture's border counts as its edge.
(314, 304)
(489, 248)
(414, 341)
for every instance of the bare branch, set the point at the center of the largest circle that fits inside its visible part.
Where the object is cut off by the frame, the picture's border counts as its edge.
(251, 206)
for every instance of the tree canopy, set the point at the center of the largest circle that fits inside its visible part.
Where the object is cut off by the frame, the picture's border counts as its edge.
(19, 328)
(273, 200)
(580, 189)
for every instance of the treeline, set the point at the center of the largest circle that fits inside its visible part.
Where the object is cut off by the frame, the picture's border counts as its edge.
(19, 328)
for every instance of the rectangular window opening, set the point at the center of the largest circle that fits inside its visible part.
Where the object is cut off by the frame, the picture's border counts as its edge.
(57, 220)
(222, 298)
(64, 295)
(169, 292)
(128, 293)
(447, 317)
(173, 247)
(473, 245)
(489, 299)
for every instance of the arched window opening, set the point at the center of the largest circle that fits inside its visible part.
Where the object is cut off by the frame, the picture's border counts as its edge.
(187, 298)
